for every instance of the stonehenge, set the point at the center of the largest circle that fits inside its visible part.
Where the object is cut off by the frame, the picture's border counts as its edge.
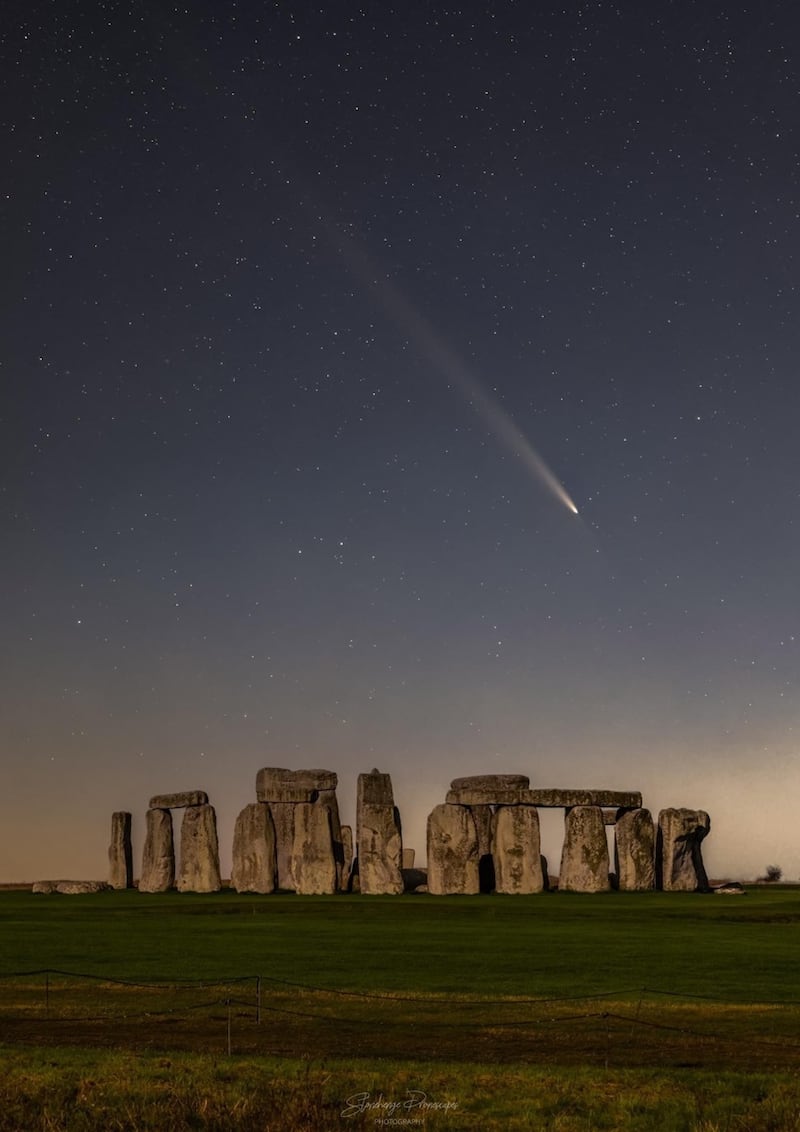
(483, 838)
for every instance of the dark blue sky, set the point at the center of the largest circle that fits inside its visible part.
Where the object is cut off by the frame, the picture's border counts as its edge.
(273, 274)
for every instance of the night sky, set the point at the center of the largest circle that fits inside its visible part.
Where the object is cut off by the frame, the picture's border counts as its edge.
(315, 317)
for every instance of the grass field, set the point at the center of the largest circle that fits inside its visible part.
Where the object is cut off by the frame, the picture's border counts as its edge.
(559, 1011)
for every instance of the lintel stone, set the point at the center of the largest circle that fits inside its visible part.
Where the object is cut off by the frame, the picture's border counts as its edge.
(179, 801)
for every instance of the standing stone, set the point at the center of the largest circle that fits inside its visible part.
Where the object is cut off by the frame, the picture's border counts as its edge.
(452, 851)
(120, 851)
(199, 871)
(634, 851)
(158, 855)
(379, 836)
(482, 816)
(516, 850)
(283, 820)
(327, 799)
(313, 861)
(347, 854)
(679, 861)
(408, 858)
(253, 866)
(584, 858)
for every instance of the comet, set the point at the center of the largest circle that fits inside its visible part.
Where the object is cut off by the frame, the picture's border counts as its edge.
(442, 358)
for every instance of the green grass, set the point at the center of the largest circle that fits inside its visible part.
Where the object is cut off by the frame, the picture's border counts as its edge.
(64, 1089)
(559, 1011)
(738, 948)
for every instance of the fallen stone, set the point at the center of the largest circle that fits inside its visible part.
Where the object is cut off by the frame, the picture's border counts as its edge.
(276, 784)
(81, 887)
(120, 851)
(635, 851)
(45, 887)
(731, 888)
(179, 801)
(452, 851)
(158, 855)
(253, 864)
(516, 850)
(584, 858)
(679, 861)
(199, 870)
(313, 862)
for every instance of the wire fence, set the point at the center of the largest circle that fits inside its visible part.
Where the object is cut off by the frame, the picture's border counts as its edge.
(257, 1013)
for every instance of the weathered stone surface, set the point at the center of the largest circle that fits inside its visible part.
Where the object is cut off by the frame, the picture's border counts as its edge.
(679, 861)
(375, 789)
(584, 858)
(635, 851)
(491, 782)
(408, 858)
(69, 887)
(276, 784)
(199, 868)
(179, 801)
(379, 839)
(380, 850)
(120, 852)
(516, 850)
(283, 820)
(347, 855)
(158, 855)
(730, 888)
(253, 866)
(485, 796)
(610, 816)
(482, 816)
(313, 862)
(452, 851)
(80, 887)
(547, 799)
(327, 799)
